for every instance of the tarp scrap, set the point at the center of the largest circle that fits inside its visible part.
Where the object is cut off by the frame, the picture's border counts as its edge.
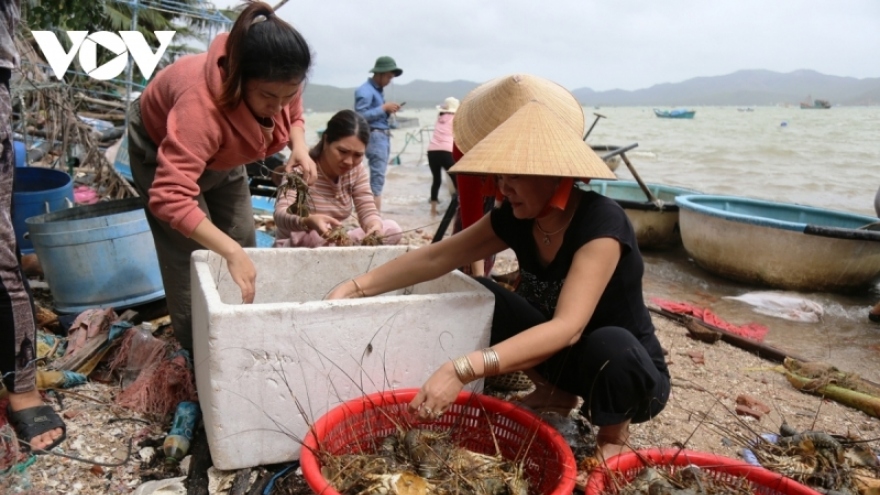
(753, 331)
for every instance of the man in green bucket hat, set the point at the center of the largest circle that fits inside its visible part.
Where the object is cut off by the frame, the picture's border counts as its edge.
(370, 103)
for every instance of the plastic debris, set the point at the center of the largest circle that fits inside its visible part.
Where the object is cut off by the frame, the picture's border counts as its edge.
(788, 305)
(179, 437)
(170, 486)
(47, 379)
(142, 348)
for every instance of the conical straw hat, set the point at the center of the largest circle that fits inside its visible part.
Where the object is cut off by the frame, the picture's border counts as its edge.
(491, 103)
(534, 141)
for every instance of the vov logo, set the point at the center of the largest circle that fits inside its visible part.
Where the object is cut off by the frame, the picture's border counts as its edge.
(86, 45)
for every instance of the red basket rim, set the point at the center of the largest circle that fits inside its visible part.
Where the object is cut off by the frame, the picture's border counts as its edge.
(311, 469)
(682, 457)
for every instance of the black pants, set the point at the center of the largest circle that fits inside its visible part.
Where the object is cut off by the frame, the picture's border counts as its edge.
(438, 160)
(608, 367)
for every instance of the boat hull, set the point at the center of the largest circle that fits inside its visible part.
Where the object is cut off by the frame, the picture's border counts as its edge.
(656, 227)
(604, 149)
(764, 243)
(679, 114)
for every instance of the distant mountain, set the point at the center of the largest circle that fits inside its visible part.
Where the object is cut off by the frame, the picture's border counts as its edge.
(745, 87)
(742, 88)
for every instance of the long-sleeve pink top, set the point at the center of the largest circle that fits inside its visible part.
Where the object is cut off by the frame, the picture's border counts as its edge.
(441, 139)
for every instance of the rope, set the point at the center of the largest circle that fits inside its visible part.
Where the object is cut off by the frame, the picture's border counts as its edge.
(414, 137)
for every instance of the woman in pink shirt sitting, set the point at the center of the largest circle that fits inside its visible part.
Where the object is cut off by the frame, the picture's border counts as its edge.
(342, 183)
(440, 148)
(198, 122)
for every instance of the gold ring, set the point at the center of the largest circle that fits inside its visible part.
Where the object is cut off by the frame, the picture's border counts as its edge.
(428, 411)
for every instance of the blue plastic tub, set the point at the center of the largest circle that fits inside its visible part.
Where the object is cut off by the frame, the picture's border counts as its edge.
(37, 191)
(98, 256)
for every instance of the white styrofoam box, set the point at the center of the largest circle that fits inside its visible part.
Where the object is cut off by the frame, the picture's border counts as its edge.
(255, 362)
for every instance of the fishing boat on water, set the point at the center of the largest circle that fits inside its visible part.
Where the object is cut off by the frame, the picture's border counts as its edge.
(656, 225)
(781, 245)
(677, 113)
(815, 104)
(602, 149)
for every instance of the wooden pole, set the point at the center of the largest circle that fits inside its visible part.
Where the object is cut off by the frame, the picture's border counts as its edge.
(638, 179)
(761, 350)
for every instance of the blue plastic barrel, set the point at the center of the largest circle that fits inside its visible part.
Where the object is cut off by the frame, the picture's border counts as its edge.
(20, 154)
(37, 191)
(98, 256)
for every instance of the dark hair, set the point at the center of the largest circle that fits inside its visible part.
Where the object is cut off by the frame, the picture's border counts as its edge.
(269, 49)
(342, 125)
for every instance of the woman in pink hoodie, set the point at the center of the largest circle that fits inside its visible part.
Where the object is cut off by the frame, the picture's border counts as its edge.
(196, 125)
(440, 148)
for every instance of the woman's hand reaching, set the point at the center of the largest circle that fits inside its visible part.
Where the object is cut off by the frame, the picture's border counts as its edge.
(241, 268)
(375, 227)
(320, 223)
(437, 394)
(244, 274)
(299, 158)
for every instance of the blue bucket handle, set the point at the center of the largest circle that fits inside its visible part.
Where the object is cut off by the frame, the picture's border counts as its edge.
(67, 202)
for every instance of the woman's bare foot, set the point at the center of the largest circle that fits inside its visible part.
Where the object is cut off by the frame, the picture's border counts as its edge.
(613, 440)
(609, 450)
(26, 400)
(547, 397)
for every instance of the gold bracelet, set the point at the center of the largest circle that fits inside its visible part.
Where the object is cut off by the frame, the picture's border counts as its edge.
(358, 287)
(463, 369)
(491, 363)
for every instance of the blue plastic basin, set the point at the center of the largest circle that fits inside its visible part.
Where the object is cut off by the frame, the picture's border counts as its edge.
(37, 191)
(98, 256)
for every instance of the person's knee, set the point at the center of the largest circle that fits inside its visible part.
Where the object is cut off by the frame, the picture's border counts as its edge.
(392, 232)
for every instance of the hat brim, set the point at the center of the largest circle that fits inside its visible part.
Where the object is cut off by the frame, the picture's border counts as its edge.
(446, 110)
(381, 70)
(534, 141)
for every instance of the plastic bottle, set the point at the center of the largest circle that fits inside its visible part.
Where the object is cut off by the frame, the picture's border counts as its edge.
(177, 442)
(135, 362)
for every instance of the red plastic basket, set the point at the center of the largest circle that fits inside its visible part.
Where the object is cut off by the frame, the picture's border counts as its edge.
(620, 470)
(360, 425)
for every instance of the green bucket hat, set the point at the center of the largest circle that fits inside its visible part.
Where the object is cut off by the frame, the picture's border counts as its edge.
(386, 64)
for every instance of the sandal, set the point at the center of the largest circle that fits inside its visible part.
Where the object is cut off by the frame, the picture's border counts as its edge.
(873, 317)
(34, 421)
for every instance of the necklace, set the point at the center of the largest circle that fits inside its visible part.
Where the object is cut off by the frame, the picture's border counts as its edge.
(547, 235)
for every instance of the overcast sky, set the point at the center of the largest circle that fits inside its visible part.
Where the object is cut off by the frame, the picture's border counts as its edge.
(608, 44)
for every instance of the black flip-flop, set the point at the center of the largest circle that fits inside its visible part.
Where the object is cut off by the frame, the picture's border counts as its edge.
(873, 317)
(34, 421)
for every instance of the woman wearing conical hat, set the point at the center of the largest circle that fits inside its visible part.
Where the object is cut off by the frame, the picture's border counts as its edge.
(577, 323)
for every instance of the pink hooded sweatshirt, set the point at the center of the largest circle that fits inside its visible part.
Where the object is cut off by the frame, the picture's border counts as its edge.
(194, 134)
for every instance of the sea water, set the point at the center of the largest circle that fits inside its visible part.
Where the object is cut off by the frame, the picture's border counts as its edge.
(824, 158)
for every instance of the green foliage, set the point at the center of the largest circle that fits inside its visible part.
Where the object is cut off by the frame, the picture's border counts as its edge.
(117, 15)
(62, 14)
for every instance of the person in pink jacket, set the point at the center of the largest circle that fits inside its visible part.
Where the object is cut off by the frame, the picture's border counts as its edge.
(343, 182)
(196, 125)
(440, 147)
